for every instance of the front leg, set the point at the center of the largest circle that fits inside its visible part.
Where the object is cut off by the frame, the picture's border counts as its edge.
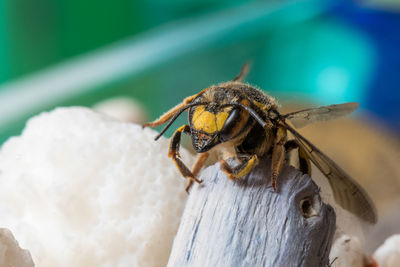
(278, 155)
(201, 159)
(176, 157)
(304, 160)
(241, 170)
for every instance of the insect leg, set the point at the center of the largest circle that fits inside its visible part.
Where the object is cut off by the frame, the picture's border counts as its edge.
(170, 113)
(304, 161)
(241, 170)
(176, 157)
(278, 155)
(290, 145)
(201, 159)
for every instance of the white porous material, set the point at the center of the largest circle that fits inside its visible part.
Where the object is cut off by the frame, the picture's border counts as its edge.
(81, 189)
(10, 253)
(388, 255)
(346, 252)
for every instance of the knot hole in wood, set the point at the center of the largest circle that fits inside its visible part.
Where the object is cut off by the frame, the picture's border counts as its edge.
(247, 223)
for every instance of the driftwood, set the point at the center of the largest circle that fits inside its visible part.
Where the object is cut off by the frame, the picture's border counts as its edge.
(247, 223)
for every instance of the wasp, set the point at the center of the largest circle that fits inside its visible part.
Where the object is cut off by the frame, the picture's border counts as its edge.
(241, 121)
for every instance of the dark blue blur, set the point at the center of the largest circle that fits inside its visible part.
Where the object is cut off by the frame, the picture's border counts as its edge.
(382, 26)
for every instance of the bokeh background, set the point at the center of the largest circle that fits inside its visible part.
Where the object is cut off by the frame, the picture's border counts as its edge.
(305, 52)
(57, 52)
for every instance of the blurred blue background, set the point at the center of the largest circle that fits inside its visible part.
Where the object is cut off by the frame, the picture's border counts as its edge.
(58, 52)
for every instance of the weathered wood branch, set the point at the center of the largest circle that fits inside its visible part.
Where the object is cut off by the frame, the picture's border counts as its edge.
(246, 223)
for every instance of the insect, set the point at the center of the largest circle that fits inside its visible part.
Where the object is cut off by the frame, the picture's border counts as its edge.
(239, 120)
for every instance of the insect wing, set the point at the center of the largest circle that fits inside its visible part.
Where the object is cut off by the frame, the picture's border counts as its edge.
(304, 117)
(346, 191)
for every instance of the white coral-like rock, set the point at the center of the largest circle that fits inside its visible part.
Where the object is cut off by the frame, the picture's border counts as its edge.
(81, 189)
(10, 252)
(388, 254)
(346, 252)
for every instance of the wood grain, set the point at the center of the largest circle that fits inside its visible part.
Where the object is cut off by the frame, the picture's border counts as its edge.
(246, 223)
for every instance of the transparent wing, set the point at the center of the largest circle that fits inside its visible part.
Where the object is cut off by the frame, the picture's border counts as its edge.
(346, 191)
(304, 117)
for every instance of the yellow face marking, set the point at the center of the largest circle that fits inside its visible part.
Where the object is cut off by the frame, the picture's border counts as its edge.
(197, 112)
(220, 119)
(207, 121)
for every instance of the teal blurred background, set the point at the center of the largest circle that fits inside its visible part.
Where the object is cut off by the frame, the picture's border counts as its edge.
(61, 53)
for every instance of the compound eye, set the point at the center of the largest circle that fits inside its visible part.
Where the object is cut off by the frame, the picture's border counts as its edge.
(229, 123)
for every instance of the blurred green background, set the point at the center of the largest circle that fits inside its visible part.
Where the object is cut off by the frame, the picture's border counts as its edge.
(60, 53)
